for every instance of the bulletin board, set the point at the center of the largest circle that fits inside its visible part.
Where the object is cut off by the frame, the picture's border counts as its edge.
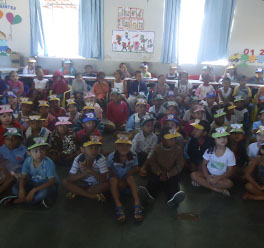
(133, 41)
(130, 18)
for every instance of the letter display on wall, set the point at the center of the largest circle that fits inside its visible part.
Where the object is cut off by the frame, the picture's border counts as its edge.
(248, 56)
(130, 18)
(133, 41)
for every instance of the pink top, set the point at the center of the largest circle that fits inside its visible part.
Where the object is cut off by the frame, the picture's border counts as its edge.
(17, 88)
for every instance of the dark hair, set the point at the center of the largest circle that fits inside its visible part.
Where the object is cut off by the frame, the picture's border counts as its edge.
(160, 76)
(116, 159)
(11, 72)
(163, 131)
(138, 72)
(38, 67)
(206, 125)
(241, 78)
(226, 79)
(100, 74)
(121, 74)
(77, 74)
(13, 118)
(86, 66)
(183, 73)
(122, 64)
(226, 106)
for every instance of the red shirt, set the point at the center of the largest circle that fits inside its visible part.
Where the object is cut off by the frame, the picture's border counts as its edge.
(117, 112)
(82, 133)
(59, 87)
(60, 112)
(2, 131)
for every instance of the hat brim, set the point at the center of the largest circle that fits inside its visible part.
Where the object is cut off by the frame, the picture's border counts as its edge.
(219, 115)
(6, 111)
(239, 100)
(144, 122)
(37, 145)
(28, 102)
(12, 134)
(171, 135)
(239, 130)
(43, 105)
(197, 110)
(88, 108)
(89, 143)
(54, 99)
(63, 123)
(129, 142)
(88, 119)
(218, 135)
(197, 126)
(231, 107)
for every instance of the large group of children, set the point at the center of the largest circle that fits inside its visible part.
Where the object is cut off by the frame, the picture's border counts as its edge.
(161, 130)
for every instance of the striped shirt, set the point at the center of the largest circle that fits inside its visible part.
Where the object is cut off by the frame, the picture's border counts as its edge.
(99, 166)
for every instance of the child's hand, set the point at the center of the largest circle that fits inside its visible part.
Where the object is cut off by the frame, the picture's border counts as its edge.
(212, 179)
(84, 168)
(30, 196)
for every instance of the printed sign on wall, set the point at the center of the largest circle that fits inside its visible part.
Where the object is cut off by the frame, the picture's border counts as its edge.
(133, 41)
(130, 18)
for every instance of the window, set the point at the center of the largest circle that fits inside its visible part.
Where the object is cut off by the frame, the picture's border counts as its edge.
(61, 27)
(191, 21)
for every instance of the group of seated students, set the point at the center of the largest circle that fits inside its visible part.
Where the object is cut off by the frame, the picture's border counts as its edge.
(204, 131)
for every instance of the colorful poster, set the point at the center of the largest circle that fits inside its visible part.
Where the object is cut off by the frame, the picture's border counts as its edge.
(130, 18)
(133, 41)
(248, 56)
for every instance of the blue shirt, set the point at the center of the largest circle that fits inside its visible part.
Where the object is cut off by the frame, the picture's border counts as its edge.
(121, 170)
(135, 86)
(255, 126)
(45, 171)
(16, 157)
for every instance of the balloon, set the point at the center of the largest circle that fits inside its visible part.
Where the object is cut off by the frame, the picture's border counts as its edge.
(17, 19)
(10, 17)
(1, 14)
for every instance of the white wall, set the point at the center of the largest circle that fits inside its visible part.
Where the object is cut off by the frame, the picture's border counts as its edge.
(247, 32)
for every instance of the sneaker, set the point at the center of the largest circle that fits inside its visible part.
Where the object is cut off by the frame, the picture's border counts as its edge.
(176, 199)
(144, 193)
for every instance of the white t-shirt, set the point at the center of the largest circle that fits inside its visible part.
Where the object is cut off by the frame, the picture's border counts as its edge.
(183, 88)
(40, 84)
(253, 150)
(119, 86)
(233, 120)
(218, 165)
(240, 114)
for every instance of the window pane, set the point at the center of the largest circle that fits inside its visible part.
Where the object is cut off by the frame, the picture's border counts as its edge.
(61, 24)
(191, 20)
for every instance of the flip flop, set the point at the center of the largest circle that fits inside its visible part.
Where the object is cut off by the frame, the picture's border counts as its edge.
(138, 213)
(8, 199)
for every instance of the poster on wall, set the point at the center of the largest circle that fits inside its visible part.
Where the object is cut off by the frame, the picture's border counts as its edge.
(133, 41)
(248, 56)
(8, 19)
(130, 18)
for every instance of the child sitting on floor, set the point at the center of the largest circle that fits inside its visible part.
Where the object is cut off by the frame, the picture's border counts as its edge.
(90, 98)
(72, 113)
(157, 109)
(78, 85)
(123, 165)
(238, 147)
(55, 108)
(6, 121)
(219, 119)
(225, 93)
(217, 165)
(133, 123)
(119, 82)
(253, 148)
(59, 85)
(36, 129)
(166, 163)
(198, 144)
(12, 99)
(256, 124)
(40, 86)
(26, 109)
(144, 142)
(255, 177)
(88, 174)
(49, 122)
(63, 146)
(89, 123)
(144, 69)
(12, 155)
(39, 181)
(67, 68)
(241, 112)
(230, 117)
(117, 112)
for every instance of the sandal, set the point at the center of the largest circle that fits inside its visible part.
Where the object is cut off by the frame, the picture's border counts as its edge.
(101, 198)
(120, 214)
(8, 200)
(226, 193)
(138, 213)
(70, 196)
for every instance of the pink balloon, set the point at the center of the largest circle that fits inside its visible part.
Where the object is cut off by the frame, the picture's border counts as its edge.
(10, 17)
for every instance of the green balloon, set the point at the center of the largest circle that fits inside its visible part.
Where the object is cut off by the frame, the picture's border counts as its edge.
(17, 19)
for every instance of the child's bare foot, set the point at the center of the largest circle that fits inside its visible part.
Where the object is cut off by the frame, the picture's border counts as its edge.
(19, 200)
(142, 172)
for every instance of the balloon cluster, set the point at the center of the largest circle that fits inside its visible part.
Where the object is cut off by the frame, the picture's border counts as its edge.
(11, 18)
